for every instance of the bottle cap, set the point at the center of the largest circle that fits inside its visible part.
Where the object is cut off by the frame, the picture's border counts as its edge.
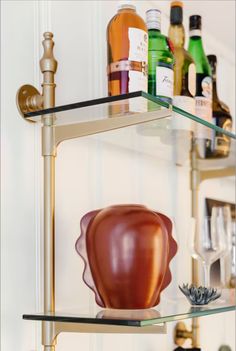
(212, 59)
(126, 4)
(153, 19)
(195, 22)
(213, 63)
(176, 12)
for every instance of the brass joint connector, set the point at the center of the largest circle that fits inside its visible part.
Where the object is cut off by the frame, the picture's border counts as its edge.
(181, 334)
(34, 102)
(28, 99)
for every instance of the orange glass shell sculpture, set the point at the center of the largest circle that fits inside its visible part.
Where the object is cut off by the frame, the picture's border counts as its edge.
(126, 250)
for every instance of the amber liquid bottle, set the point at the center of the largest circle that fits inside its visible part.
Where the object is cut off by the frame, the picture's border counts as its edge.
(127, 45)
(221, 117)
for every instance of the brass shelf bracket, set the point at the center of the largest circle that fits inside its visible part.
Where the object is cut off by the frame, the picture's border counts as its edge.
(51, 330)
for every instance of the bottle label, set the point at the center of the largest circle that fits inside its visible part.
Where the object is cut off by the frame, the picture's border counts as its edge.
(164, 81)
(203, 106)
(203, 109)
(138, 50)
(187, 104)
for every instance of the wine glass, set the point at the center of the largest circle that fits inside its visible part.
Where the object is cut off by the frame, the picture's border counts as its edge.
(225, 228)
(210, 243)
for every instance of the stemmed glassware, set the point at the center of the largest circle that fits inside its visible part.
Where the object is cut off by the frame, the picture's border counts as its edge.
(213, 240)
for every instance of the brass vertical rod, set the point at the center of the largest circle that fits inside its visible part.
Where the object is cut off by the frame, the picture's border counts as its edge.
(49, 235)
(195, 200)
(48, 66)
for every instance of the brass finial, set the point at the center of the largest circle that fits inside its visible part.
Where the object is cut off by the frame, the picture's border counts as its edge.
(48, 62)
(28, 98)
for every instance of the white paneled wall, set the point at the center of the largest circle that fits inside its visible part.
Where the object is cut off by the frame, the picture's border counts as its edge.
(90, 173)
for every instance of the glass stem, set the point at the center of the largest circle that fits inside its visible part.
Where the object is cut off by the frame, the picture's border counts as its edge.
(207, 268)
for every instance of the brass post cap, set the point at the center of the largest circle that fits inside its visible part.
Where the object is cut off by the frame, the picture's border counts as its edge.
(48, 62)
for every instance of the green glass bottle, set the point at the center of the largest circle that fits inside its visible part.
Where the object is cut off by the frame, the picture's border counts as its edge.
(184, 67)
(203, 98)
(160, 59)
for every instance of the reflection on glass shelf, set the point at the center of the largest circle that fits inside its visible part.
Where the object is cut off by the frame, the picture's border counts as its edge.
(166, 311)
(158, 140)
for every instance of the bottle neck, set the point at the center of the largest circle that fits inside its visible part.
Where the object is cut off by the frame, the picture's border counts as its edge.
(195, 41)
(126, 9)
(154, 29)
(214, 86)
(177, 35)
(195, 33)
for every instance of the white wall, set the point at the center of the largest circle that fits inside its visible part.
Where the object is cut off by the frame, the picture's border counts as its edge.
(90, 173)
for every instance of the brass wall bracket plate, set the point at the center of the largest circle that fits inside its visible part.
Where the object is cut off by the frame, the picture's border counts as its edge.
(181, 334)
(28, 99)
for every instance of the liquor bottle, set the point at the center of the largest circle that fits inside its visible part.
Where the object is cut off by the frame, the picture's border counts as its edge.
(184, 67)
(221, 117)
(160, 59)
(127, 42)
(203, 98)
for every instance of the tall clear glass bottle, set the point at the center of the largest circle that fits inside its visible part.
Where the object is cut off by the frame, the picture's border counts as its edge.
(184, 67)
(160, 59)
(203, 98)
(127, 45)
(221, 117)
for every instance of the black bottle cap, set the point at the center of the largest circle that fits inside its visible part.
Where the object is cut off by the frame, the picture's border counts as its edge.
(176, 12)
(212, 59)
(213, 62)
(195, 22)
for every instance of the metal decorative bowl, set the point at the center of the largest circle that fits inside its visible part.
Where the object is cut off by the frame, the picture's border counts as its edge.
(199, 295)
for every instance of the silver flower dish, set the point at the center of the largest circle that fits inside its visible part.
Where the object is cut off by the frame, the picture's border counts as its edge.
(199, 295)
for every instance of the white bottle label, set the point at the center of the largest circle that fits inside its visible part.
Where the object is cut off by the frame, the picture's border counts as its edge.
(164, 81)
(187, 104)
(138, 50)
(204, 111)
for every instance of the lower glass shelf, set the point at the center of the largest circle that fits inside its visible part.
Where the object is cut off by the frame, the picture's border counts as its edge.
(167, 311)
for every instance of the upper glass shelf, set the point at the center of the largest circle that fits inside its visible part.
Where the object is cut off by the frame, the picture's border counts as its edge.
(138, 107)
(152, 127)
(167, 311)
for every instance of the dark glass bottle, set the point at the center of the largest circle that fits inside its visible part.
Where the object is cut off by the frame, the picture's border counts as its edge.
(160, 59)
(221, 117)
(203, 98)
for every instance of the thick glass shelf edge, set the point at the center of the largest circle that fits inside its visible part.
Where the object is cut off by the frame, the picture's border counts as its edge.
(167, 311)
(138, 102)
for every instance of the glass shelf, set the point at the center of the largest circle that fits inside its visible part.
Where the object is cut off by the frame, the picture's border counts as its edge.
(153, 127)
(166, 311)
(126, 105)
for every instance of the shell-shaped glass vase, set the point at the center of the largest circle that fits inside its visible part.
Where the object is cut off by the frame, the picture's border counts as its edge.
(126, 250)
